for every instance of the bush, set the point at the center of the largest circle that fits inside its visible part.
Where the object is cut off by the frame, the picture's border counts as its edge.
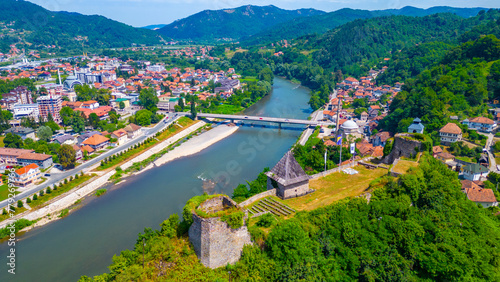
(234, 220)
(20, 204)
(28, 200)
(66, 181)
(41, 193)
(48, 191)
(71, 178)
(4, 212)
(35, 197)
(76, 176)
(265, 220)
(55, 187)
(100, 192)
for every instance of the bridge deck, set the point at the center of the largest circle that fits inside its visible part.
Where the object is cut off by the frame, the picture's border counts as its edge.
(263, 119)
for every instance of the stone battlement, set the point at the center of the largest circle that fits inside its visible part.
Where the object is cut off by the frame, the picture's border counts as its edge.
(217, 244)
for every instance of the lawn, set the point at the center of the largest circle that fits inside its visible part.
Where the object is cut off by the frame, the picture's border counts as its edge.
(402, 166)
(1, 141)
(60, 190)
(4, 192)
(466, 159)
(336, 186)
(230, 54)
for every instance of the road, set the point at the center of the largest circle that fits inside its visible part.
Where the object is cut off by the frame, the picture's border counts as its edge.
(489, 148)
(307, 133)
(57, 177)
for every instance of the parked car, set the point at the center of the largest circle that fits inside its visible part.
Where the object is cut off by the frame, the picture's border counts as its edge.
(47, 174)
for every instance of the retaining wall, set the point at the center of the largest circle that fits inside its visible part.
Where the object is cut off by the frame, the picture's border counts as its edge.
(254, 198)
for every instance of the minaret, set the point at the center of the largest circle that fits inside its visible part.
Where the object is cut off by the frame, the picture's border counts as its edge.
(59, 75)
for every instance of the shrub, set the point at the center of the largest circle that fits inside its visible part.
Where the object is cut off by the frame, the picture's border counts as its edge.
(4, 212)
(76, 176)
(28, 200)
(35, 197)
(20, 204)
(100, 192)
(81, 174)
(54, 188)
(66, 181)
(41, 193)
(234, 220)
(265, 220)
(71, 178)
(48, 191)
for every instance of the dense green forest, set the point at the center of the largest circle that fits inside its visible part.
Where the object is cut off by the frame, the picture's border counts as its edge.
(322, 23)
(43, 27)
(461, 84)
(231, 24)
(420, 227)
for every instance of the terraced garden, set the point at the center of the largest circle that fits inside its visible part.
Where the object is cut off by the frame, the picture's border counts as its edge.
(270, 205)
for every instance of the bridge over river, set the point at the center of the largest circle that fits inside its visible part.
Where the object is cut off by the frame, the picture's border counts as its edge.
(279, 121)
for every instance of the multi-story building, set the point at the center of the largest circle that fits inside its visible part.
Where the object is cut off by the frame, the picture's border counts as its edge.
(20, 95)
(450, 133)
(8, 156)
(480, 123)
(50, 104)
(26, 110)
(42, 160)
(25, 175)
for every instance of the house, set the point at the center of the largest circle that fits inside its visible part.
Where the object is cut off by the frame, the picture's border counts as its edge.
(448, 159)
(120, 135)
(23, 132)
(416, 126)
(364, 116)
(42, 160)
(436, 150)
(96, 142)
(450, 133)
(8, 156)
(91, 104)
(65, 139)
(372, 113)
(288, 178)
(480, 124)
(88, 149)
(484, 197)
(25, 176)
(85, 136)
(78, 152)
(380, 138)
(133, 130)
(474, 172)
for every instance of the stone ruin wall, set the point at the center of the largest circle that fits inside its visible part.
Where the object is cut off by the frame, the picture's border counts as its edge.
(215, 243)
(402, 148)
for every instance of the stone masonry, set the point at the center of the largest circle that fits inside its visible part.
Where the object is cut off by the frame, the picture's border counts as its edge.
(403, 146)
(215, 243)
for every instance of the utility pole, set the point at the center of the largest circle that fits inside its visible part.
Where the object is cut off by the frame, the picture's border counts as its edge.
(326, 150)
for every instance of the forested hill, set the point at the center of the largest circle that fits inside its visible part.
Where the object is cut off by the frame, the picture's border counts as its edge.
(36, 25)
(231, 24)
(322, 23)
(356, 46)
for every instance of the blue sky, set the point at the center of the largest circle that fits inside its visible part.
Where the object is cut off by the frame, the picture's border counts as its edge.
(147, 12)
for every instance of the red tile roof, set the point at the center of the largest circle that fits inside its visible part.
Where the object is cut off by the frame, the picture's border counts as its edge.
(25, 169)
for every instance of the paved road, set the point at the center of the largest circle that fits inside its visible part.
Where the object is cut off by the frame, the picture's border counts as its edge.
(307, 133)
(263, 119)
(57, 177)
(489, 148)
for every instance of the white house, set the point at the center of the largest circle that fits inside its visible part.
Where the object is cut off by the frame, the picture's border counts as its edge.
(480, 123)
(450, 133)
(474, 172)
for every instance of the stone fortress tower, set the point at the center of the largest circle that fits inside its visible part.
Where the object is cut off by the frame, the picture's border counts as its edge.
(217, 244)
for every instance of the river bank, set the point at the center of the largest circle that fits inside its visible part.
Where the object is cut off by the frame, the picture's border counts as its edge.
(196, 144)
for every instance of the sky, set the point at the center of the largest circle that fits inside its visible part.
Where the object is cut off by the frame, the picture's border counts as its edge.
(140, 13)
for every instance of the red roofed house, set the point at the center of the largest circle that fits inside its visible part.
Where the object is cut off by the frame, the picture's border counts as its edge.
(78, 151)
(88, 149)
(450, 133)
(480, 123)
(475, 193)
(133, 130)
(25, 175)
(120, 135)
(96, 142)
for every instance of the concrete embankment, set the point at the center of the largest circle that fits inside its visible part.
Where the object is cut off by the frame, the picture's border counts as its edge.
(192, 146)
(198, 143)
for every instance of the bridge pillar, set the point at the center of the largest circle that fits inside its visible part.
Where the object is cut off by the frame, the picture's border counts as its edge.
(279, 125)
(232, 120)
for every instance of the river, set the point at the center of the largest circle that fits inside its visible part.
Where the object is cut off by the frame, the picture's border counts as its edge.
(84, 242)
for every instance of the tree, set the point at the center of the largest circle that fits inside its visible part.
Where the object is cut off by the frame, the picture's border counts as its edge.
(44, 133)
(193, 109)
(67, 156)
(181, 104)
(148, 99)
(94, 120)
(143, 117)
(122, 105)
(13, 141)
(53, 125)
(66, 114)
(78, 123)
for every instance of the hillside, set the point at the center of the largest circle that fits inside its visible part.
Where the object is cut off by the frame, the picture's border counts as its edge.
(32, 24)
(366, 41)
(322, 23)
(231, 24)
